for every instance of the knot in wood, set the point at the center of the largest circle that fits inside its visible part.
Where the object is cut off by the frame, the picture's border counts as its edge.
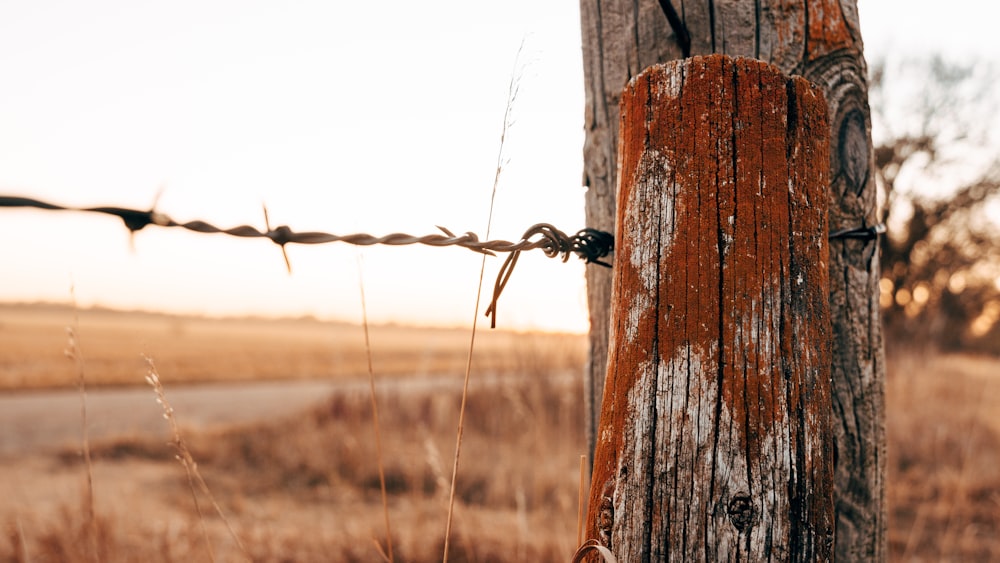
(741, 512)
(853, 147)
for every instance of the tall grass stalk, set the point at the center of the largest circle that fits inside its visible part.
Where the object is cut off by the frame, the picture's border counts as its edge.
(387, 555)
(190, 467)
(512, 89)
(20, 542)
(74, 353)
(579, 500)
(966, 450)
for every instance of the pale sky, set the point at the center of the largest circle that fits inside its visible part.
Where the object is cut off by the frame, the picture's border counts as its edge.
(368, 117)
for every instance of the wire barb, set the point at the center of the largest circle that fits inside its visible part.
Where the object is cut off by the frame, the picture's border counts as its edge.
(279, 237)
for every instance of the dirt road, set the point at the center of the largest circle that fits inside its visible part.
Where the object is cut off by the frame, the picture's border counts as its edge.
(39, 420)
(36, 421)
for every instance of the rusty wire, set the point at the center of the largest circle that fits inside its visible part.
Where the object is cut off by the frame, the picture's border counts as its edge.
(590, 245)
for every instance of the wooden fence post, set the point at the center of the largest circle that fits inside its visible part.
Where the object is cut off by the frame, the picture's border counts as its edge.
(715, 441)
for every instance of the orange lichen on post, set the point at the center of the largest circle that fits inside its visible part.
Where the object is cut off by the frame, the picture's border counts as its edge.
(828, 28)
(714, 440)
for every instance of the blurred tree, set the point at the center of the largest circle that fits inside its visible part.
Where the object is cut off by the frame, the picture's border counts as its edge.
(936, 135)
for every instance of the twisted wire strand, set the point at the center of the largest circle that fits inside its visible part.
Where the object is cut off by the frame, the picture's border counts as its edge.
(590, 245)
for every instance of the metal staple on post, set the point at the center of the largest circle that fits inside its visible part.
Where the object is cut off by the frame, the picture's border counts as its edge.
(860, 233)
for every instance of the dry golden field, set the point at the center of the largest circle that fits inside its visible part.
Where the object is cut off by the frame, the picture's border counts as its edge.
(943, 427)
(303, 485)
(33, 340)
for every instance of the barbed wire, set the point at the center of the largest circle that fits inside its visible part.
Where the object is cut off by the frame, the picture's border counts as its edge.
(590, 245)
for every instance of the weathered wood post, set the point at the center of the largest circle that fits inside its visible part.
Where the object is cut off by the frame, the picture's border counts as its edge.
(714, 441)
(822, 41)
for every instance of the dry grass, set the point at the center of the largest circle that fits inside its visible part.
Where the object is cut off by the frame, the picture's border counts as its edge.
(944, 458)
(193, 349)
(306, 487)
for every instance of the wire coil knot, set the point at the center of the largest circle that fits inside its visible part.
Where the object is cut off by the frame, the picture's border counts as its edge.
(590, 245)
